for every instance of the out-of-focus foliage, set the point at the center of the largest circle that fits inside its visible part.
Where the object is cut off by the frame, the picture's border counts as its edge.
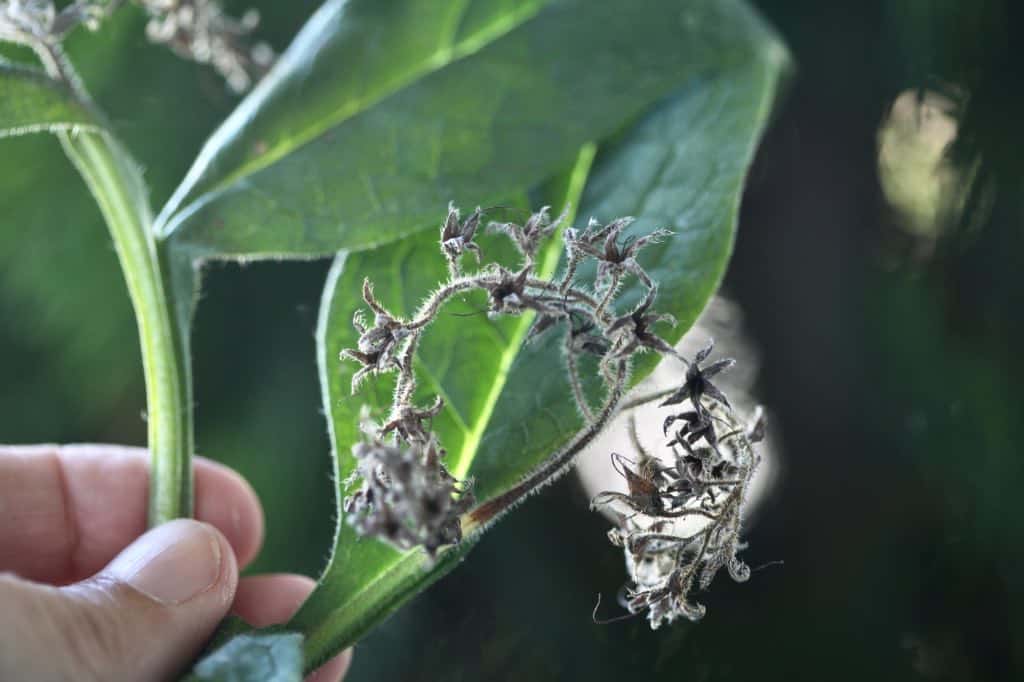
(71, 368)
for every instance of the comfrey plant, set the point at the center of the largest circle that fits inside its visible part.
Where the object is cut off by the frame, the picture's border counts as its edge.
(478, 374)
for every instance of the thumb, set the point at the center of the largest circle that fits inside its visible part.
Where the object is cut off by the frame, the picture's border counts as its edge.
(144, 617)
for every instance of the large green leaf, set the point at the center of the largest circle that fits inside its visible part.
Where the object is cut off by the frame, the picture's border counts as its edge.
(30, 102)
(379, 113)
(509, 407)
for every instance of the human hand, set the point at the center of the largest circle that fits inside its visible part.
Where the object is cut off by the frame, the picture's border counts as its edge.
(87, 594)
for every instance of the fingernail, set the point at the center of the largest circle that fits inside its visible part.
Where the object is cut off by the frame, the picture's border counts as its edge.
(171, 563)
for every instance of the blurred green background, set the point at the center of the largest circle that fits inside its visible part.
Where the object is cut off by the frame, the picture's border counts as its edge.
(877, 267)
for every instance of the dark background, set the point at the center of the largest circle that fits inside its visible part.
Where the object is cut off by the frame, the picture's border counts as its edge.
(892, 360)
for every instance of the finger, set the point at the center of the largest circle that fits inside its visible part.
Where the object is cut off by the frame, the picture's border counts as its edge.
(264, 600)
(67, 511)
(143, 617)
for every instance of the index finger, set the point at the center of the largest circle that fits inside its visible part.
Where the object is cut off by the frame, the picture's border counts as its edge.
(66, 511)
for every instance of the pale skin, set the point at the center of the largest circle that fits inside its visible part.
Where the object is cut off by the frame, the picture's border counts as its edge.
(88, 594)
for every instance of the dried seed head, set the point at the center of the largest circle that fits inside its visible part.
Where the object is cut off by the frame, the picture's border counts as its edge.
(407, 497)
(200, 31)
(457, 236)
(713, 463)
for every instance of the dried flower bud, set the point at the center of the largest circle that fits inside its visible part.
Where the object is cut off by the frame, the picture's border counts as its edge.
(614, 259)
(698, 381)
(411, 423)
(528, 237)
(198, 30)
(457, 236)
(377, 347)
(633, 331)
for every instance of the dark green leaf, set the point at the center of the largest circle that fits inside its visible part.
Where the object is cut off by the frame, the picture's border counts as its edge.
(366, 129)
(275, 657)
(30, 102)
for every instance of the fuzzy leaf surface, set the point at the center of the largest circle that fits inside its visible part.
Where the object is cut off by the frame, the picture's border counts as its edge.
(509, 407)
(381, 112)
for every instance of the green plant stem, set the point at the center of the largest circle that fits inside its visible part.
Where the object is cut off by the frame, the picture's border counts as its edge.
(116, 184)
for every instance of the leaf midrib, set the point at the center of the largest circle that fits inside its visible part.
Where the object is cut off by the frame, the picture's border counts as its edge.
(443, 57)
(549, 263)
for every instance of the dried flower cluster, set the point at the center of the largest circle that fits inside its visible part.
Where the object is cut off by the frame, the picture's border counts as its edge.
(593, 328)
(38, 21)
(681, 518)
(198, 30)
(407, 497)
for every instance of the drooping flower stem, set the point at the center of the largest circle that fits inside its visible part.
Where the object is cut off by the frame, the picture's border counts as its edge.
(552, 468)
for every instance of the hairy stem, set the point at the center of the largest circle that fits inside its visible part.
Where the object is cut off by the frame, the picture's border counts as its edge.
(58, 67)
(609, 294)
(640, 400)
(554, 466)
(574, 380)
(684, 580)
(116, 184)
